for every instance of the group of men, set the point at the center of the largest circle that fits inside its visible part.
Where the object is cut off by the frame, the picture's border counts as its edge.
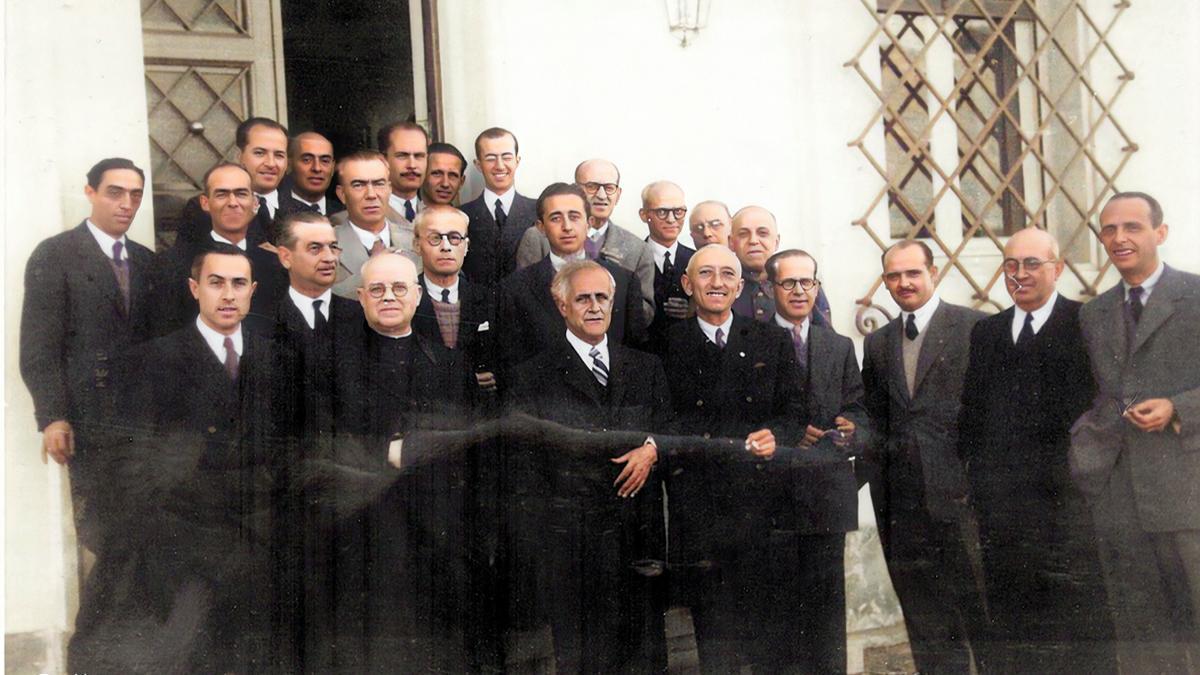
(369, 430)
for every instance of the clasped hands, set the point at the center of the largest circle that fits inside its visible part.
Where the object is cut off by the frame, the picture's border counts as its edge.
(844, 426)
(1153, 414)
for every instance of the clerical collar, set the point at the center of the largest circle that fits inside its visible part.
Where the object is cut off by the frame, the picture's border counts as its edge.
(394, 337)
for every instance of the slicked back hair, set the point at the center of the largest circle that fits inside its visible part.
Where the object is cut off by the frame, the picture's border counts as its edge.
(383, 140)
(772, 265)
(222, 165)
(496, 132)
(440, 148)
(285, 225)
(558, 189)
(95, 175)
(219, 248)
(360, 156)
(560, 286)
(242, 137)
(908, 243)
(419, 222)
(1156, 212)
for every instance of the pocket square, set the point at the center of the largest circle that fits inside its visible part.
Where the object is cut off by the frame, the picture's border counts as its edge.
(482, 327)
(760, 364)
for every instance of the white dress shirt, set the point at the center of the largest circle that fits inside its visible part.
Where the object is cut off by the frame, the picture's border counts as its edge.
(1039, 317)
(320, 203)
(661, 251)
(1147, 285)
(784, 323)
(506, 200)
(922, 315)
(435, 292)
(710, 330)
(397, 203)
(272, 198)
(216, 341)
(305, 305)
(106, 242)
(368, 237)
(583, 349)
(216, 237)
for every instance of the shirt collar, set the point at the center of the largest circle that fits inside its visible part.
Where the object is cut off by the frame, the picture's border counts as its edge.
(320, 203)
(924, 313)
(216, 341)
(305, 304)
(598, 233)
(397, 203)
(435, 292)
(660, 251)
(218, 238)
(106, 242)
(367, 237)
(506, 200)
(791, 327)
(394, 337)
(1040, 315)
(558, 262)
(1147, 285)
(710, 331)
(272, 198)
(583, 349)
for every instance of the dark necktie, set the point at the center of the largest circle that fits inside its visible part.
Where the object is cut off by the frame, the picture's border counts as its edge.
(315, 208)
(264, 211)
(446, 295)
(801, 348)
(231, 359)
(910, 328)
(409, 212)
(598, 368)
(319, 320)
(720, 338)
(501, 217)
(121, 269)
(1026, 331)
(1135, 303)
(591, 248)
(668, 269)
(377, 247)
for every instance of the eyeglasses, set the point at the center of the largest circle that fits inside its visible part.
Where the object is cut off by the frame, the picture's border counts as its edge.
(453, 238)
(1031, 265)
(789, 284)
(662, 214)
(707, 225)
(378, 290)
(593, 188)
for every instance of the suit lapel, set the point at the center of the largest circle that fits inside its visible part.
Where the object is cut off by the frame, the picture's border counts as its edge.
(940, 326)
(542, 276)
(615, 247)
(98, 267)
(895, 350)
(139, 279)
(821, 364)
(577, 375)
(1112, 321)
(617, 373)
(734, 356)
(1159, 307)
(354, 256)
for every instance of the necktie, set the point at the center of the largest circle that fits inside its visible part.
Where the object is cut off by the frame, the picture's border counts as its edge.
(121, 269)
(720, 338)
(377, 247)
(315, 208)
(319, 320)
(409, 212)
(231, 359)
(668, 266)
(598, 367)
(264, 211)
(910, 328)
(446, 295)
(501, 217)
(1026, 330)
(801, 347)
(591, 248)
(1135, 302)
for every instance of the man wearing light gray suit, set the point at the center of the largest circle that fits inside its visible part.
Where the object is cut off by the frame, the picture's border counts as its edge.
(363, 230)
(601, 182)
(913, 372)
(1136, 452)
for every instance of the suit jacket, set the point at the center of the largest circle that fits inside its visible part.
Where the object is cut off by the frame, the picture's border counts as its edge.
(530, 321)
(177, 307)
(74, 324)
(1163, 468)
(288, 203)
(354, 254)
(827, 500)
(195, 223)
(922, 429)
(493, 253)
(476, 323)
(666, 288)
(621, 247)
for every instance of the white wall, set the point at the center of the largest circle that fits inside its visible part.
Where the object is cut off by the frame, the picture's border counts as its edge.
(74, 94)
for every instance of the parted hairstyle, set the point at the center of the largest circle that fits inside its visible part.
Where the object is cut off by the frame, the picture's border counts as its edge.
(496, 132)
(285, 225)
(908, 243)
(440, 148)
(772, 265)
(360, 156)
(559, 189)
(242, 136)
(383, 140)
(219, 248)
(96, 174)
(1156, 212)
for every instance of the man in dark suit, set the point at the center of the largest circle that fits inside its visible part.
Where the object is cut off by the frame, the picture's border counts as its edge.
(730, 377)
(601, 182)
(499, 216)
(1026, 382)
(444, 175)
(187, 585)
(754, 237)
(1134, 452)
(229, 203)
(262, 150)
(662, 211)
(405, 145)
(453, 311)
(87, 298)
(306, 186)
(603, 546)
(530, 320)
(913, 373)
(811, 631)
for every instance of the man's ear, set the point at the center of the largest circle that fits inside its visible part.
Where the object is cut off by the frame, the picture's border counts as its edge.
(194, 287)
(204, 202)
(1162, 233)
(644, 215)
(687, 284)
(538, 224)
(341, 194)
(285, 256)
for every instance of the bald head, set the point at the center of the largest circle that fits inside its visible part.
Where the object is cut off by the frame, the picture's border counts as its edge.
(754, 237)
(1031, 267)
(389, 293)
(713, 281)
(710, 223)
(1032, 239)
(663, 210)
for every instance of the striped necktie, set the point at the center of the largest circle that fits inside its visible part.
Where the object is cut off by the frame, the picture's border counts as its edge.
(598, 368)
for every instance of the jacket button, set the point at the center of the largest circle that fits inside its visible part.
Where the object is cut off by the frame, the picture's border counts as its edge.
(700, 404)
(212, 430)
(707, 435)
(749, 399)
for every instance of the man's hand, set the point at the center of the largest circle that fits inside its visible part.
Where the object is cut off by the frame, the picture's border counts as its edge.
(487, 381)
(1152, 414)
(676, 308)
(761, 443)
(847, 428)
(58, 441)
(638, 463)
(811, 436)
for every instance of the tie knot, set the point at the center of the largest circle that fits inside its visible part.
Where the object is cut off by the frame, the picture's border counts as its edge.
(317, 305)
(594, 353)
(117, 248)
(667, 259)
(1028, 319)
(910, 327)
(798, 333)
(446, 295)
(720, 335)
(1135, 294)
